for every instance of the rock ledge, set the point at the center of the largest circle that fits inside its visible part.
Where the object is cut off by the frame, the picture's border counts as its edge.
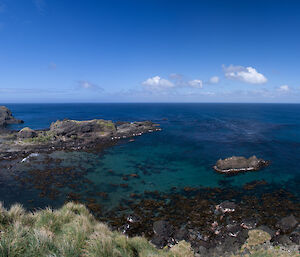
(7, 118)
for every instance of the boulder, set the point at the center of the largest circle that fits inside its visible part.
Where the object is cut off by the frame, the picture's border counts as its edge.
(158, 241)
(282, 240)
(287, 224)
(295, 236)
(249, 223)
(236, 164)
(181, 234)
(7, 118)
(27, 133)
(163, 233)
(226, 206)
(163, 228)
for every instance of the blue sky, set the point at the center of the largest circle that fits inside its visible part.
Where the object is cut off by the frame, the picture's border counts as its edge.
(149, 51)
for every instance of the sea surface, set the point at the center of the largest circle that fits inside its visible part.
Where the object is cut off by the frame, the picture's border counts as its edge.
(193, 138)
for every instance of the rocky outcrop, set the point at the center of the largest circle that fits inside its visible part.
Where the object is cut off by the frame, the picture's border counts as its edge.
(70, 128)
(27, 133)
(7, 118)
(72, 135)
(236, 164)
(287, 224)
(163, 233)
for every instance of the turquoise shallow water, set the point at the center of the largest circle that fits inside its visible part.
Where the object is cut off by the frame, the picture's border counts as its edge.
(193, 138)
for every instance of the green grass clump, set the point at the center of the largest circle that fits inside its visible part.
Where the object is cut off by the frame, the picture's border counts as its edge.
(69, 232)
(40, 138)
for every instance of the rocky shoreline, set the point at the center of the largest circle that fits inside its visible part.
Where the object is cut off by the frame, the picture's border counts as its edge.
(67, 135)
(215, 221)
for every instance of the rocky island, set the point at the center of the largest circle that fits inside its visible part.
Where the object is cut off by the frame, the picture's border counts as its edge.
(237, 164)
(7, 118)
(67, 135)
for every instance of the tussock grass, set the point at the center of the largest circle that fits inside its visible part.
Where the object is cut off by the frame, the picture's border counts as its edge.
(69, 232)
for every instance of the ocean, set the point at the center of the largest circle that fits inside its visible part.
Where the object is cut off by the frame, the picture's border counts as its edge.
(193, 137)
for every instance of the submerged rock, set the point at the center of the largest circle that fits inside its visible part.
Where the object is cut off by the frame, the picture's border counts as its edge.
(7, 118)
(236, 164)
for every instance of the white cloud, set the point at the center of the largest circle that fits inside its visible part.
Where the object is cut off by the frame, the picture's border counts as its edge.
(196, 83)
(83, 84)
(214, 80)
(244, 74)
(157, 84)
(284, 88)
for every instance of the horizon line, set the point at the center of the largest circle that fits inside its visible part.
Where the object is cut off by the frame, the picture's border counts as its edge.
(149, 103)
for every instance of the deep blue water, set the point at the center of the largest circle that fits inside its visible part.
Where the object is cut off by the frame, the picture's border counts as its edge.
(193, 138)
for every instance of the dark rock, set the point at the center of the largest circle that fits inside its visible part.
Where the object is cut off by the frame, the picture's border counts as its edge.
(267, 229)
(163, 234)
(242, 236)
(7, 118)
(249, 223)
(163, 228)
(230, 245)
(181, 234)
(27, 133)
(158, 241)
(295, 236)
(233, 229)
(287, 224)
(226, 206)
(202, 251)
(236, 164)
(282, 240)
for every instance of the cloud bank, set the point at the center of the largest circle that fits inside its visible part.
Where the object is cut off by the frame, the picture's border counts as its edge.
(244, 74)
(196, 83)
(176, 81)
(157, 83)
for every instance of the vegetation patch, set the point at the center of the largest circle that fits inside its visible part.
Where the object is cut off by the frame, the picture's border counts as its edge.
(71, 231)
(41, 138)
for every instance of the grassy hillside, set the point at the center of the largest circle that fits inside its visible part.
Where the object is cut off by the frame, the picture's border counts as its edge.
(70, 231)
